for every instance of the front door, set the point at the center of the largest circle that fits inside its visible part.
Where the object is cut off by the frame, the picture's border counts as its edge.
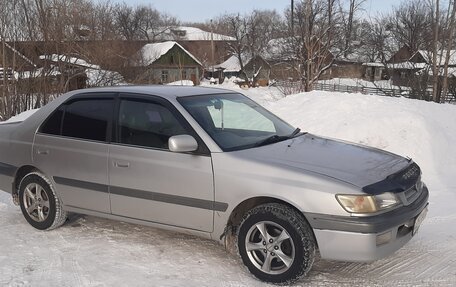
(151, 183)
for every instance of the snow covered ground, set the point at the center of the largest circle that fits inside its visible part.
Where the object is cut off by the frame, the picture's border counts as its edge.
(89, 251)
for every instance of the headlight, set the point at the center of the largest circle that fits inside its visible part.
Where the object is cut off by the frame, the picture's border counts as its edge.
(367, 203)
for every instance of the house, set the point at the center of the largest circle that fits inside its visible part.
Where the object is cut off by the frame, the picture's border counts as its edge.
(15, 61)
(197, 42)
(165, 62)
(256, 70)
(78, 73)
(359, 62)
(280, 57)
(405, 65)
(7, 74)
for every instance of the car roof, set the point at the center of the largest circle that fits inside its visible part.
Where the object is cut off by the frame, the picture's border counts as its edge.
(158, 90)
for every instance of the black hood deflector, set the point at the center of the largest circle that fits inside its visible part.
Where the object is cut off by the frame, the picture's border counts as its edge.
(396, 182)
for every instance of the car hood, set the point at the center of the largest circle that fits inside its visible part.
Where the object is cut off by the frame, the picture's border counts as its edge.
(354, 164)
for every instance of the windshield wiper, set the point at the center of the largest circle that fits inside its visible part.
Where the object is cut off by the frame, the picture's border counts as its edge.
(277, 138)
(271, 139)
(294, 133)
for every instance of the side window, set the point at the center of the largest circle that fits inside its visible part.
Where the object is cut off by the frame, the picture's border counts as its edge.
(53, 124)
(146, 124)
(87, 119)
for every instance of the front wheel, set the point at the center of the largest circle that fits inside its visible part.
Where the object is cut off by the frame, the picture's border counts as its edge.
(276, 243)
(39, 203)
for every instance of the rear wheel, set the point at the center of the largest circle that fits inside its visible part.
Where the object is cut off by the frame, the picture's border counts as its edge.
(276, 243)
(39, 204)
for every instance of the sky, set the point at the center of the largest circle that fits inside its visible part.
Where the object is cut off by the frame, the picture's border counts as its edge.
(202, 10)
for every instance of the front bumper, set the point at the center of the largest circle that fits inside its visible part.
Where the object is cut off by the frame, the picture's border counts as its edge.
(366, 238)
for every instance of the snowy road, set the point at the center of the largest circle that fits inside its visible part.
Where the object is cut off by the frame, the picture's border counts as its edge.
(90, 251)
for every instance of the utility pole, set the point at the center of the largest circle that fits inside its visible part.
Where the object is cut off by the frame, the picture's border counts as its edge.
(4, 101)
(435, 70)
(212, 48)
(292, 18)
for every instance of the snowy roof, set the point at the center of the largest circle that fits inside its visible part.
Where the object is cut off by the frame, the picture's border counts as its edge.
(407, 65)
(373, 64)
(20, 54)
(427, 55)
(70, 60)
(152, 52)
(451, 72)
(192, 34)
(230, 65)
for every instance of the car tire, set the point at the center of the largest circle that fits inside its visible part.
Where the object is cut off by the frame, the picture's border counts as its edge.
(39, 203)
(276, 243)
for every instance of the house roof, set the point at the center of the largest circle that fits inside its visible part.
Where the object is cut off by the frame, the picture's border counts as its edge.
(407, 65)
(451, 72)
(68, 59)
(152, 52)
(373, 64)
(20, 55)
(427, 56)
(232, 64)
(191, 34)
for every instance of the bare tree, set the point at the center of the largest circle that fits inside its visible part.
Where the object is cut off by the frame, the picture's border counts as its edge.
(411, 25)
(236, 26)
(261, 27)
(142, 22)
(313, 39)
(354, 7)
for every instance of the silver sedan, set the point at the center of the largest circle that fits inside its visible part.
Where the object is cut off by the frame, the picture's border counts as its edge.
(215, 164)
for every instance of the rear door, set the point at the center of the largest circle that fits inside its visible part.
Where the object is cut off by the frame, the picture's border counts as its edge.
(149, 182)
(71, 147)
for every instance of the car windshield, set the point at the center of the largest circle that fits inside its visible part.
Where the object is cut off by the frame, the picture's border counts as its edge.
(235, 122)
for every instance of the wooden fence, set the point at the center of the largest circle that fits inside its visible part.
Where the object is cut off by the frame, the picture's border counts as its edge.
(296, 87)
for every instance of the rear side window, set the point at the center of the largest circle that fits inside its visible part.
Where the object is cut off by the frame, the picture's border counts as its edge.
(87, 119)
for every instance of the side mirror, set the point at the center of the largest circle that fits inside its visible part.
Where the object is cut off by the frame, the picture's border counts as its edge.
(182, 143)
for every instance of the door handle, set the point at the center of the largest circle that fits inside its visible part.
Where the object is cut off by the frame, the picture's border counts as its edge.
(42, 152)
(121, 164)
